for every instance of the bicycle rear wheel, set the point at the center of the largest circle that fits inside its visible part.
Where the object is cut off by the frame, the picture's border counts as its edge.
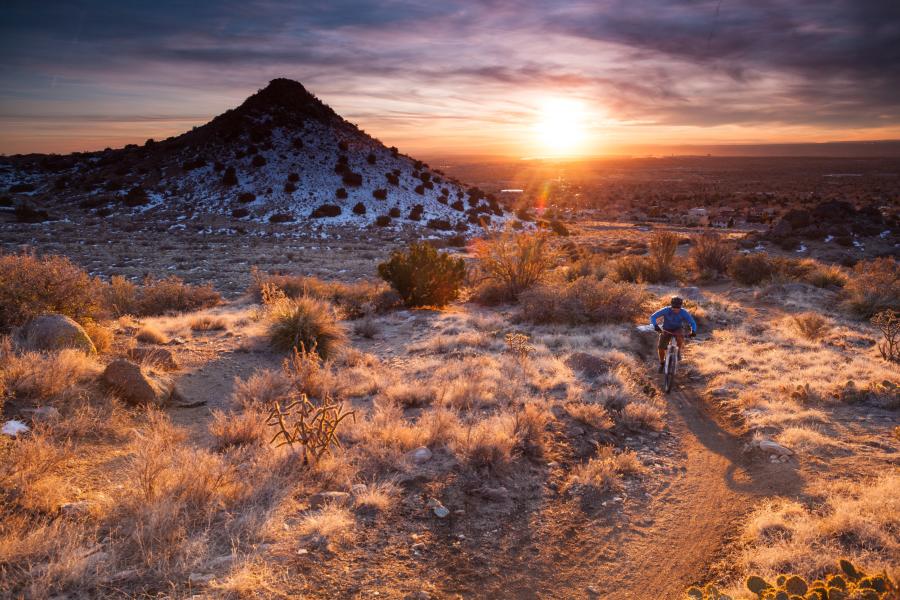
(671, 368)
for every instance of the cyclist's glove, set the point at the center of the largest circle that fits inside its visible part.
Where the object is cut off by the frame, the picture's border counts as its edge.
(657, 328)
(693, 334)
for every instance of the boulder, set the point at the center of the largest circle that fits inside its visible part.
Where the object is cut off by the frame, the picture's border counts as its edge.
(160, 357)
(775, 448)
(53, 332)
(136, 386)
(420, 455)
(589, 365)
(322, 498)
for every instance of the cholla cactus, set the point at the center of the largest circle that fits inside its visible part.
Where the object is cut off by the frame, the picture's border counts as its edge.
(312, 426)
(517, 344)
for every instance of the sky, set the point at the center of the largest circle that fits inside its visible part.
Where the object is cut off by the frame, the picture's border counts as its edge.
(493, 77)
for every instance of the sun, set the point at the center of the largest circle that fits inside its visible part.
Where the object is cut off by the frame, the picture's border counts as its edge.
(562, 127)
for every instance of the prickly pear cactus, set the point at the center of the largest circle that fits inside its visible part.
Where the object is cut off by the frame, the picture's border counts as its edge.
(847, 583)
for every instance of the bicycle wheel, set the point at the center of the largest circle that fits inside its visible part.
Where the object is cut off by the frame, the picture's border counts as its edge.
(671, 367)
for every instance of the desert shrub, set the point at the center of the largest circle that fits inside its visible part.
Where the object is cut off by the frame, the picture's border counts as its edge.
(240, 213)
(379, 194)
(888, 322)
(711, 254)
(423, 276)
(514, 262)
(230, 177)
(290, 187)
(826, 276)
(811, 325)
(281, 218)
(593, 415)
(382, 220)
(341, 193)
(246, 197)
(632, 269)
(352, 179)
(293, 177)
(394, 213)
(151, 335)
(353, 299)
(359, 208)
(163, 296)
(305, 322)
(366, 327)
(873, 286)
(585, 300)
(439, 224)
(261, 389)
(325, 210)
(558, 228)
(32, 285)
(751, 269)
(662, 247)
(258, 160)
(208, 323)
(100, 334)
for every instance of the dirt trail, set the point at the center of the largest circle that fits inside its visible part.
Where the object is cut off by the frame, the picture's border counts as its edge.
(694, 517)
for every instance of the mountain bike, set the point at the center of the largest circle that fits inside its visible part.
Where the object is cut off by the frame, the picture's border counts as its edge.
(671, 362)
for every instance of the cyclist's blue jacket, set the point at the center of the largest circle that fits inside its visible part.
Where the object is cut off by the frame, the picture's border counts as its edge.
(673, 321)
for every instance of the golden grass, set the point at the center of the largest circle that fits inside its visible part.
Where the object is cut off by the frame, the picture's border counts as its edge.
(208, 323)
(235, 430)
(378, 496)
(604, 472)
(331, 524)
(150, 334)
(594, 415)
(46, 377)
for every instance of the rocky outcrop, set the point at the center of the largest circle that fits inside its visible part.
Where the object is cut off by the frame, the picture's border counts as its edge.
(136, 386)
(54, 332)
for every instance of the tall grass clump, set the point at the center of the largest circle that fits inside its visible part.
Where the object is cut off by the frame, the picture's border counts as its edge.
(873, 286)
(423, 276)
(31, 285)
(585, 300)
(354, 299)
(662, 248)
(711, 254)
(158, 296)
(751, 269)
(304, 323)
(511, 263)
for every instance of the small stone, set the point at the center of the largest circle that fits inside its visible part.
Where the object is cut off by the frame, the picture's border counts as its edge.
(322, 498)
(200, 579)
(420, 455)
(418, 547)
(439, 509)
(302, 551)
(592, 590)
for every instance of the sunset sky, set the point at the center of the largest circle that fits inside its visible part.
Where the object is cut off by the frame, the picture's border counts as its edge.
(504, 77)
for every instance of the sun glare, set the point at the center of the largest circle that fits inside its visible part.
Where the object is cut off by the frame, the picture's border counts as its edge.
(561, 128)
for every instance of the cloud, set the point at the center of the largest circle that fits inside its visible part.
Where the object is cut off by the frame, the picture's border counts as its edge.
(830, 66)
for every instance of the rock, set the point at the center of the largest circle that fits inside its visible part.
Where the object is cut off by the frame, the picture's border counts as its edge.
(420, 455)
(14, 428)
(135, 386)
(773, 448)
(200, 579)
(592, 590)
(160, 357)
(75, 510)
(589, 365)
(44, 414)
(54, 332)
(440, 511)
(322, 498)
(497, 494)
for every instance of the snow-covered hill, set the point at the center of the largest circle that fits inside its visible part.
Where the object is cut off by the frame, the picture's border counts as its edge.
(282, 156)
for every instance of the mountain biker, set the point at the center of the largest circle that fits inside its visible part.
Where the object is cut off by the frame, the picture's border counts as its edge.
(674, 318)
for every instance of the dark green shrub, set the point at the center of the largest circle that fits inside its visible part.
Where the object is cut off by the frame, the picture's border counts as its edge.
(423, 276)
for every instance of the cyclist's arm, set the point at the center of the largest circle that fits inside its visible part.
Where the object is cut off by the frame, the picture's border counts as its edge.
(656, 315)
(691, 320)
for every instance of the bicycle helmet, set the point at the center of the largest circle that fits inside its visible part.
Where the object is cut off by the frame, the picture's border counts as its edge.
(676, 302)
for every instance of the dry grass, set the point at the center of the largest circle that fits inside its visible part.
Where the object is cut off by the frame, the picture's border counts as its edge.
(751, 269)
(261, 389)
(584, 300)
(811, 325)
(640, 416)
(240, 429)
(513, 262)
(604, 472)
(874, 286)
(150, 334)
(410, 394)
(378, 496)
(328, 526)
(46, 377)
(593, 415)
(101, 335)
(305, 323)
(208, 323)
(711, 254)
(857, 520)
(353, 299)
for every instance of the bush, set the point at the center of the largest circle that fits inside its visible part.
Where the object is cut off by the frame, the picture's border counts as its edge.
(304, 323)
(325, 210)
(751, 269)
(888, 322)
(31, 286)
(289, 187)
(246, 197)
(382, 220)
(585, 300)
(558, 228)
(161, 296)
(515, 262)
(341, 193)
(379, 194)
(258, 160)
(359, 208)
(352, 179)
(423, 276)
(631, 269)
(811, 325)
(874, 286)
(353, 299)
(439, 224)
(824, 276)
(711, 254)
(394, 213)
(230, 177)
(239, 213)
